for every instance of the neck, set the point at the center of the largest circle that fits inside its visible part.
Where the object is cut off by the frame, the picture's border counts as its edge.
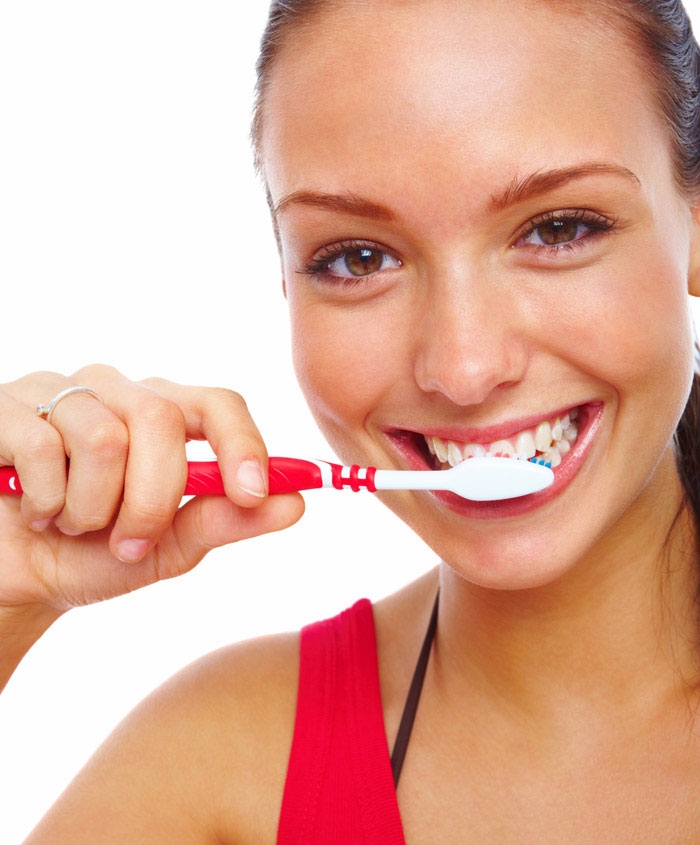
(619, 629)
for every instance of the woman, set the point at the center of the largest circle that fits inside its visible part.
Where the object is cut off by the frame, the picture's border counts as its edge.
(488, 227)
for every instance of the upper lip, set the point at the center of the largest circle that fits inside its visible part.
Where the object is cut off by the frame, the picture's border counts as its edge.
(490, 433)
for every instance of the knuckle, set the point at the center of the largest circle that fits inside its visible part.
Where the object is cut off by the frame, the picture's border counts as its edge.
(47, 503)
(93, 520)
(39, 445)
(160, 415)
(39, 380)
(157, 384)
(231, 408)
(150, 510)
(223, 396)
(94, 372)
(107, 441)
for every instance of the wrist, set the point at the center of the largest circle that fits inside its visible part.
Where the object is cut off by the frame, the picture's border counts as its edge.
(20, 627)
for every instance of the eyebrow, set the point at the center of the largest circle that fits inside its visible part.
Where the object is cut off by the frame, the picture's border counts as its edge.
(341, 203)
(544, 181)
(519, 190)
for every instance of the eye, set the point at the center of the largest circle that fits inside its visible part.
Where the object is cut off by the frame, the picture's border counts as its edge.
(563, 229)
(350, 260)
(359, 262)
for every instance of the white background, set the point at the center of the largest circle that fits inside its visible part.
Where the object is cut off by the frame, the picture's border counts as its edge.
(134, 232)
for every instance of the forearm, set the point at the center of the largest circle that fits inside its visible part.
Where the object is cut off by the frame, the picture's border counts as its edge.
(20, 628)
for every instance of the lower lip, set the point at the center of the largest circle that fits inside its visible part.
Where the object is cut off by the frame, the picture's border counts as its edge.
(589, 421)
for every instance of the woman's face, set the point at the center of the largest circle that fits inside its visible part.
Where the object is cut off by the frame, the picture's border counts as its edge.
(482, 241)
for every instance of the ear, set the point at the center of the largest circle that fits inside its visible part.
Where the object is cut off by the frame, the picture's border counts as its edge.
(284, 287)
(694, 262)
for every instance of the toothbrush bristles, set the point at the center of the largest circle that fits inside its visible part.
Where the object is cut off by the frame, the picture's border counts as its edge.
(540, 461)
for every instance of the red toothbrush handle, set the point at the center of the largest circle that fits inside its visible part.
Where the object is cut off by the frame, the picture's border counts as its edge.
(204, 478)
(289, 475)
(286, 475)
(9, 481)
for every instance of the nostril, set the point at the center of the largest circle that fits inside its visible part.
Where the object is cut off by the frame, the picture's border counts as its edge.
(468, 368)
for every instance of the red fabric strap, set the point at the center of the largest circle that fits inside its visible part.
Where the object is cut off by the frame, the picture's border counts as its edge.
(339, 785)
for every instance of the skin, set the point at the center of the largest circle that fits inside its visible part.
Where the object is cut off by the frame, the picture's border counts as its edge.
(564, 643)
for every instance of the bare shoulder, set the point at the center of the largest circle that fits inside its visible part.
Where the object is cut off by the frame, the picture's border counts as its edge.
(201, 760)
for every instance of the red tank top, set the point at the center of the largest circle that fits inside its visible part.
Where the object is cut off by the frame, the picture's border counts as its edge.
(339, 786)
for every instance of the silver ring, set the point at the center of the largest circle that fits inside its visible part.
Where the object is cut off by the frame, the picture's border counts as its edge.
(46, 411)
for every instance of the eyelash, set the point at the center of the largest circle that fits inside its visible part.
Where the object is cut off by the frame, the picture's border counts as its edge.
(318, 267)
(596, 224)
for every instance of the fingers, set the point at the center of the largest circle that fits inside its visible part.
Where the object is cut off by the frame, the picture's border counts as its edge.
(82, 430)
(120, 498)
(36, 450)
(154, 469)
(127, 454)
(221, 417)
(97, 445)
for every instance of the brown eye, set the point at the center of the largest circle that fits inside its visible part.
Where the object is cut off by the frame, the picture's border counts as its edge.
(563, 230)
(559, 232)
(354, 262)
(362, 262)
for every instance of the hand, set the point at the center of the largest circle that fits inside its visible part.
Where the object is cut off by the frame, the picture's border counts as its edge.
(113, 523)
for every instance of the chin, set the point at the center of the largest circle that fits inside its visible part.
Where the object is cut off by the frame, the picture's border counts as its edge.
(517, 565)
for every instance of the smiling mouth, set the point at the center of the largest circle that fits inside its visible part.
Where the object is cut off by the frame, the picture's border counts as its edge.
(550, 441)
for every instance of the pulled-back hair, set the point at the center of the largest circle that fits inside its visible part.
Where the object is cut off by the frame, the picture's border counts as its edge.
(661, 34)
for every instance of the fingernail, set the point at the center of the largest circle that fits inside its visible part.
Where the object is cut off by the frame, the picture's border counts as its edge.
(131, 551)
(250, 479)
(40, 524)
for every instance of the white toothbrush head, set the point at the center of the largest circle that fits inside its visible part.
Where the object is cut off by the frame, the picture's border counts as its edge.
(490, 479)
(483, 479)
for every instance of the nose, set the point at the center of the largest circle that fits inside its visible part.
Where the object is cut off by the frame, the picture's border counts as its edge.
(469, 340)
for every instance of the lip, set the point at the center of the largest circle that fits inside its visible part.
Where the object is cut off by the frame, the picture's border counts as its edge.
(405, 442)
(497, 431)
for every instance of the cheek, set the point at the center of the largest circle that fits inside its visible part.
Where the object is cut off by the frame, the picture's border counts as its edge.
(630, 320)
(345, 363)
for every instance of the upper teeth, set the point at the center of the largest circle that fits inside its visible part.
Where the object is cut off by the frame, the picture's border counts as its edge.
(551, 440)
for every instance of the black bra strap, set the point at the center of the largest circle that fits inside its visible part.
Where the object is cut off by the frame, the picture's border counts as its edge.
(411, 706)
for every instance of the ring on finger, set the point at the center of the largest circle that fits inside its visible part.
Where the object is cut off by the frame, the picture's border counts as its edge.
(46, 411)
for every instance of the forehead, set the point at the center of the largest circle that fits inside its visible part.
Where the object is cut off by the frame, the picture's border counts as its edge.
(386, 88)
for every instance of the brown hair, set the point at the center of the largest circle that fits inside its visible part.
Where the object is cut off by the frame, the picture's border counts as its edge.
(661, 33)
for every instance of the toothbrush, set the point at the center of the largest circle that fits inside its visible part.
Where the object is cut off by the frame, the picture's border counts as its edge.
(481, 479)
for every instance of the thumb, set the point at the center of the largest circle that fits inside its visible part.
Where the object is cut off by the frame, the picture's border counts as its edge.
(207, 522)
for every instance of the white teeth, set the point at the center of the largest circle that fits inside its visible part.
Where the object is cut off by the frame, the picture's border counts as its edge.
(543, 436)
(525, 445)
(454, 454)
(503, 448)
(551, 440)
(552, 456)
(441, 450)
